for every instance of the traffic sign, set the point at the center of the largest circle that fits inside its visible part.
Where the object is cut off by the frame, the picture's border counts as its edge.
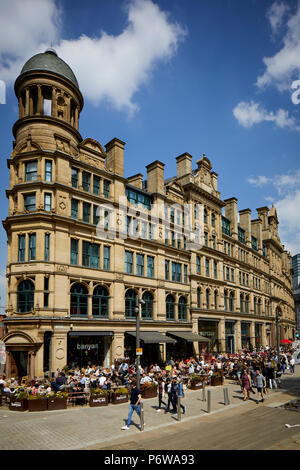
(139, 351)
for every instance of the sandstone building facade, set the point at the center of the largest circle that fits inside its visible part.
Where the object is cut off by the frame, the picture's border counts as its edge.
(71, 293)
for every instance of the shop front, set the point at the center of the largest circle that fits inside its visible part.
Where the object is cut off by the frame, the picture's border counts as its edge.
(245, 335)
(21, 350)
(258, 335)
(152, 343)
(229, 336)
(89, 348)
(184, 348)
(208, 329)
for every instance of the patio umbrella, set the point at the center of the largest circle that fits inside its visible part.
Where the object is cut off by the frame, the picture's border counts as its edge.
(286, 341)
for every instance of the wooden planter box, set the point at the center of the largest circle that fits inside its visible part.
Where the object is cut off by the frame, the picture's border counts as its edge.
(57, 403)
(37, 404)
(216, 381)
(150, 392)
(18, 404)
(197, 384)
(117, 398)
(99, 400)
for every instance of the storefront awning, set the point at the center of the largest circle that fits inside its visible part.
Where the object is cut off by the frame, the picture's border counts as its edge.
(189, 336)
(152, 337)
(91, 333)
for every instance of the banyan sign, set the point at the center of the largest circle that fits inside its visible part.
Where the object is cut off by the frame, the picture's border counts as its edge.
(2, 352)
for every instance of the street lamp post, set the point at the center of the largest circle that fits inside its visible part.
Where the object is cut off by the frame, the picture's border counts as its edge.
(278, 314)
(137, 361)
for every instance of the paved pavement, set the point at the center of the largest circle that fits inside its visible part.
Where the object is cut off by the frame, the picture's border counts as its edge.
(100, 428)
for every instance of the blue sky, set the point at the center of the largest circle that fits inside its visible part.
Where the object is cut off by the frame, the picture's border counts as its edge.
(177, 76)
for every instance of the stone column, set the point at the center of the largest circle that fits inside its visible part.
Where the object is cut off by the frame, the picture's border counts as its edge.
(26, 101)
(54, 104)
(58, 349)
(31, 358)
(40, 103)
(176, 307)
(21, 108)
(221, 334)
(117, 346)
(195, 330)
(252, 334)
(90, 300)
(238, 336)
(76, 117)
(8, 365)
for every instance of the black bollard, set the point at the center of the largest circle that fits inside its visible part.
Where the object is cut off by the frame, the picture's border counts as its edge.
(178, 409)
(142, 416)
(208, 401)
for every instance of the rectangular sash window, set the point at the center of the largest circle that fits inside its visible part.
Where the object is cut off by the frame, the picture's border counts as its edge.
(32, 246)
(21, 250)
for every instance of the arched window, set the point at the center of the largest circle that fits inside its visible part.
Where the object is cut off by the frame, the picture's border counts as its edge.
(207, 298)
(25, 296)
(198, 297)
(170, 307)
(231, 302)
(247, 304)
(182, 309)
(255, 305)
(242, 303)
(259, 307)
(130, 297)
(79, 300)
(100, 302)
(216, 299)
(147, 307)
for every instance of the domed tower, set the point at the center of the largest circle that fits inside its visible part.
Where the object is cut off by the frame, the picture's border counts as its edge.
(47, 142)
(50, 103)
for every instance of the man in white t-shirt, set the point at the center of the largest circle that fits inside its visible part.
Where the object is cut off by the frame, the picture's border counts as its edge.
(102, 380)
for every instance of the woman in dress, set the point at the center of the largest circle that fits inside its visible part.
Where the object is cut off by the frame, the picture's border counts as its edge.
(246, 384)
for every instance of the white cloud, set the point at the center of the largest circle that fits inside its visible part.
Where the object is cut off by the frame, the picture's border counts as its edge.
(259, 181)
(285, 64)
(26, 28)
(287, 203)
(111, 68)
(248, 114)
(275, 15)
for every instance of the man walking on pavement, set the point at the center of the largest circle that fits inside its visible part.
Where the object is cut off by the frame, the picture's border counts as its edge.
(135, 398)
(260, 383)
(177, 391)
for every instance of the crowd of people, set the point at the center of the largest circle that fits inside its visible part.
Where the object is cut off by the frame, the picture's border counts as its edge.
(171, 377)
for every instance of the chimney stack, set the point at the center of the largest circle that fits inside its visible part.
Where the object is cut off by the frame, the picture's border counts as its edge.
(156, 177)
(115, 156)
